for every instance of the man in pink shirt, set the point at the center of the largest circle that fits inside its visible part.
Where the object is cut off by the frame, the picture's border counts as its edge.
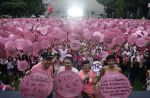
(89, 79)
(46, 65)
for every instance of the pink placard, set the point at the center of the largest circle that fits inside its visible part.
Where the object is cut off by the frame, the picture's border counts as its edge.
(36, 85)
(114, 85)
(68, 84)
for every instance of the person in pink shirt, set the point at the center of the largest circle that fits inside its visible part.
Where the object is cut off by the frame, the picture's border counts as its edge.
(89, 79)
(46, 65)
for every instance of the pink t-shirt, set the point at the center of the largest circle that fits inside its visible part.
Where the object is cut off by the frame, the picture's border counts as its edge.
(39, 67)
(88, 87)
(59, 96)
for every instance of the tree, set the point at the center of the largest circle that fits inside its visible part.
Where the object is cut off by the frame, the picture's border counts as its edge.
(35, 7)
(126, 8)
(119, 8)
(21, 8)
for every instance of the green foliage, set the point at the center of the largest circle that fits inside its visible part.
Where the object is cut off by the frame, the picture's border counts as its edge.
(21, 8)
(35, 7)
(125, 8)
(119, 9)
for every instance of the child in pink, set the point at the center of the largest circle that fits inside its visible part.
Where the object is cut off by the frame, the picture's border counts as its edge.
(89, 79)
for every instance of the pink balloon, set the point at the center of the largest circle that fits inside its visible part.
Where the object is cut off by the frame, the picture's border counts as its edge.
(28, 46)
(36, 46)
(11, 52)
(75, 45)
(4, 34)
(108, 39)
(141, 42)
(58, 33)
(2, 46)
(74, 36)
(98, 37)
(10, 45)
(44, 44)
(87, 35)
(17, 32)
(97, 33)
(114, 85)
(44, 30)
(36, 85)
(20, 44)
(28, 35)
(12, 37)
(22, 65)
(68, 84)
(118, 40)
(132, 38)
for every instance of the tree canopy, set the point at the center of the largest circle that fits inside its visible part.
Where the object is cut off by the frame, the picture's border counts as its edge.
(125, 8)
(21, 8)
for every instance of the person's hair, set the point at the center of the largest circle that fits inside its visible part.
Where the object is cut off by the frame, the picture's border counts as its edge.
(10, 59)
(25, 57)
(58, 55)
(68, 58)
(110, 57)
(85, 62)
(47, 55)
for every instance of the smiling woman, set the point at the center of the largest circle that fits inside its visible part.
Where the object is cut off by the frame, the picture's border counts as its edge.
(68, 65)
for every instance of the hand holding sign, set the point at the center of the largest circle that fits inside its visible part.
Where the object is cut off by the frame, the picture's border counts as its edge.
(114, 85)
(68, 84)
(36, 85)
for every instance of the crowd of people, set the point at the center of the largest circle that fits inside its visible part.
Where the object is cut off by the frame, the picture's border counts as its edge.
(128, 59)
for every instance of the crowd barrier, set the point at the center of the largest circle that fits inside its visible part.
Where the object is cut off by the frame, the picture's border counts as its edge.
(16, 94)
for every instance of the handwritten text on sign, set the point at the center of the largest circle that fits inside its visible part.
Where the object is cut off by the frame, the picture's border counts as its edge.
(114, 85)
(36, 85)
(68, 84)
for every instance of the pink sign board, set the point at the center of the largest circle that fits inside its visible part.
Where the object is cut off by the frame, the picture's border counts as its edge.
(114, 85)
(68, 84)
(36, 85)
